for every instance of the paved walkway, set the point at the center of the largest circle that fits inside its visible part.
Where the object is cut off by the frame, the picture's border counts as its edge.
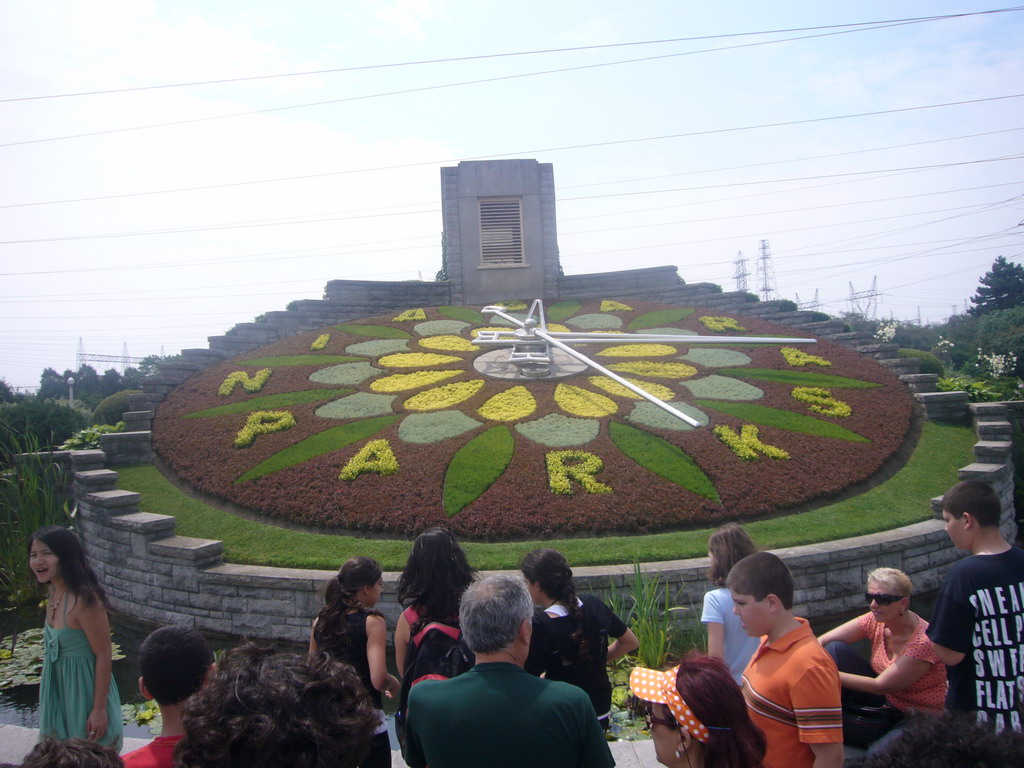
(15, 743)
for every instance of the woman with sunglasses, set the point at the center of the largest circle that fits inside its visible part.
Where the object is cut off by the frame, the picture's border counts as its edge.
(697, 716)
(903, 673)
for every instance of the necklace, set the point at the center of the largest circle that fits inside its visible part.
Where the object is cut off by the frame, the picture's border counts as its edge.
(55, 604)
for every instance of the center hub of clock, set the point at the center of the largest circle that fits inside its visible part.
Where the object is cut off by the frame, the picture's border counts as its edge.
(497, 365)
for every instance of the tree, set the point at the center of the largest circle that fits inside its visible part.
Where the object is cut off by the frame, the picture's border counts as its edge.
(1002, 287)
(7, 394)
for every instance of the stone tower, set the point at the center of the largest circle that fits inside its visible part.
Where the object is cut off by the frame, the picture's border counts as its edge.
(499, 228)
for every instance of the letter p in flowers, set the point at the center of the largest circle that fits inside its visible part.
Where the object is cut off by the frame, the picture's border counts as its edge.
(566, 466)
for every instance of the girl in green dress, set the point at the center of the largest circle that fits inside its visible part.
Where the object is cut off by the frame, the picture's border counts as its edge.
(78, 697)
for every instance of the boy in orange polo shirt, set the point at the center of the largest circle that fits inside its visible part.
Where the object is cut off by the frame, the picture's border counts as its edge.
(791, 684)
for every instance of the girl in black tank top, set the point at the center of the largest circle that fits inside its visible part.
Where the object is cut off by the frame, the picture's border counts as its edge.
(348, 629)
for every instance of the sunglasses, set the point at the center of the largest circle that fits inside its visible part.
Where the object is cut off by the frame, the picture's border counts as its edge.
(881, 598)
(653, 719)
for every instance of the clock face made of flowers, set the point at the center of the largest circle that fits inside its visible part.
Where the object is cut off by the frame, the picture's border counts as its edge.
(398, 422)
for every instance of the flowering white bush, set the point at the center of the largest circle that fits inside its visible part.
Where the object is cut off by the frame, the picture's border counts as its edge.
(998, 365)
(886, 331)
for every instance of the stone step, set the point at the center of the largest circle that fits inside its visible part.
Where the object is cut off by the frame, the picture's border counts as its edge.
(993, 451)
(981, 412)
(994, 430)
(901, 365)
(920, 382)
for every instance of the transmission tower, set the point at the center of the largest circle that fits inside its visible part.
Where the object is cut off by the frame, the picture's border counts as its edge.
(865, 303)
(812, 305)
(124, 359)
(741, 272)
(765, 272)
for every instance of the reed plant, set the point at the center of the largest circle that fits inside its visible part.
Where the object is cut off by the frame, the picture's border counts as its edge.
(645, 606)
(31, 496)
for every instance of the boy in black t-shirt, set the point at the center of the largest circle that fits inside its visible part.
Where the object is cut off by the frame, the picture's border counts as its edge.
(978, 625)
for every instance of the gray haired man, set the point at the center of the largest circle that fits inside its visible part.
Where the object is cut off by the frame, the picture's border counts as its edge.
(496, 714)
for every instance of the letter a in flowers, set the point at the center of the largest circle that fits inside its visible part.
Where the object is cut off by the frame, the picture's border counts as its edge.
(375, 457)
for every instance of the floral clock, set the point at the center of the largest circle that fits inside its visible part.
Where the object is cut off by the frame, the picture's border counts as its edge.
(393, 423)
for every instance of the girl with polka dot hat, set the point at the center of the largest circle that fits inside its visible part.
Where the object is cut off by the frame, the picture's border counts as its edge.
(697, 716)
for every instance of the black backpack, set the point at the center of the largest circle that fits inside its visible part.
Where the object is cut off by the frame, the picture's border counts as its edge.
(436, 652)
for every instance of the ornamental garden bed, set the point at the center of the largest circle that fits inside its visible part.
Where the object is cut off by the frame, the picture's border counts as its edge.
(383, 425)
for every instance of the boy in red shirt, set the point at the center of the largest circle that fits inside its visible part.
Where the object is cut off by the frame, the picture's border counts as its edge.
(174, 662)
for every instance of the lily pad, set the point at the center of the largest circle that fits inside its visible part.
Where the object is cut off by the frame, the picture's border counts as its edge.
(662, 458)
(558, 431)
(361, 405)
(348, 374)
(647, 414)
(434, 427)
(475, 467)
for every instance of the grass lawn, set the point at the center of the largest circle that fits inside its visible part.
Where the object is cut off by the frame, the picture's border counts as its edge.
(902, 500)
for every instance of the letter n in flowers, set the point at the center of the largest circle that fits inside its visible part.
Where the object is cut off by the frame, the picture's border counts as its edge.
(375, 457)
(566, 466)
(746, 444)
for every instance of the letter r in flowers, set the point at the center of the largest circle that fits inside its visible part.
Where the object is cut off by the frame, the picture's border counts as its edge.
(375, 457)
(566, 466)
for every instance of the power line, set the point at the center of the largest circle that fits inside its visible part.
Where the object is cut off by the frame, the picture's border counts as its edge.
(480, 57)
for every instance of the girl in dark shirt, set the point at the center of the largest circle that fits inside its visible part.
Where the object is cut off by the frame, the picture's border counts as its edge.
(570, 632)
(348, 629)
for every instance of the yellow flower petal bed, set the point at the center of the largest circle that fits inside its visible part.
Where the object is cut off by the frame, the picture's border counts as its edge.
(410, 314)
(249, 384)
(513, 306)
(655, 370)
(713, 323)
(799, 359)
(615, 306)
(400, 382)
(613, 387)
(511, 405)
(449, 343)
(821, 401)
(320, 342)
(444, 396)
(581, 402)
(416, 360)
(637, 350)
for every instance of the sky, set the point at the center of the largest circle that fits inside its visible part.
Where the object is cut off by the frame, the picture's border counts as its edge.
(169, 169)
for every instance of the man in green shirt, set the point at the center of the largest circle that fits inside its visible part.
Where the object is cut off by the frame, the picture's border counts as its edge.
(497, 714)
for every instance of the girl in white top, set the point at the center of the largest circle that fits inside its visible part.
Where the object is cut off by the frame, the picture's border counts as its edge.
(726, 638)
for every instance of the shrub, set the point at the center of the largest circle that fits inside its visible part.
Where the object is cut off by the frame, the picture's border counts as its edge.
(785, 305)
(111, 409)
(929, 362)
(47, 422)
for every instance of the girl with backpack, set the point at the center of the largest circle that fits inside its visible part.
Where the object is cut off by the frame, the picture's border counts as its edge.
(570, 632)
(435, 576)
(350, 630)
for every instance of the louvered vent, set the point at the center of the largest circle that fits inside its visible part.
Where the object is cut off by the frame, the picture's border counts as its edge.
(501, 231)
